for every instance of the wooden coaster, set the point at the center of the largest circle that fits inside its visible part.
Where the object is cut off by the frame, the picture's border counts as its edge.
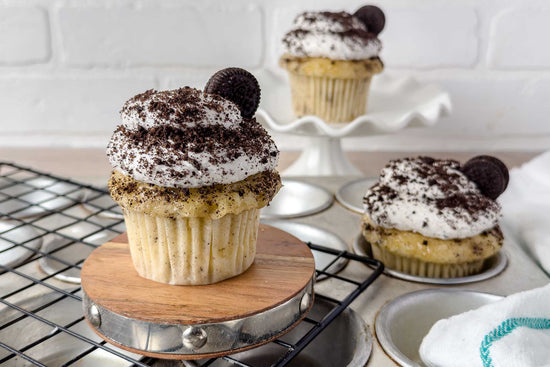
(121, 306)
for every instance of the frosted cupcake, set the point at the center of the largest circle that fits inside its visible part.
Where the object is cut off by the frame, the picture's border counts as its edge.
(192, 169)
(434, 218)
(330, 59)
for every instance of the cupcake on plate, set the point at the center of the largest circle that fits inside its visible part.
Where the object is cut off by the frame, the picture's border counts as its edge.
(435, 218)
(191, 171)
(330, 59)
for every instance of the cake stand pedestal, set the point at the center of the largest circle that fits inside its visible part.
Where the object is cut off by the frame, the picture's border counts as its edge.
(394, 104)
(322, 156)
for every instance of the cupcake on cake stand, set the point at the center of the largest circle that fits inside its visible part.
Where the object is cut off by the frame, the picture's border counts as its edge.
(394, 104)
(332, 64)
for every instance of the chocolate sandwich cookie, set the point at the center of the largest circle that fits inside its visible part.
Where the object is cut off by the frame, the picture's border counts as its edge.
(238, 86)
(372, 17)
(489, 173)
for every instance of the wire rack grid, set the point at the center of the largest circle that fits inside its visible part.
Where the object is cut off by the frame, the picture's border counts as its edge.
(48, 226)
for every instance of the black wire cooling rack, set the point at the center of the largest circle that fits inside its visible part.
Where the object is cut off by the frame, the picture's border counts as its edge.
(48, 226)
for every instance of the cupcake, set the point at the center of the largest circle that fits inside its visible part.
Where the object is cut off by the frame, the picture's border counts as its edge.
(435, 218)
(330, 59)
(191, 171)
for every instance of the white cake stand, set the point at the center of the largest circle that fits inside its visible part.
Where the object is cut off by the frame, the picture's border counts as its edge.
(394, 103)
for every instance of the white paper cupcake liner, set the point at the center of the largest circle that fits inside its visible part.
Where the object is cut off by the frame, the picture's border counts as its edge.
(192, 251)
(421, 268)
(332, 99)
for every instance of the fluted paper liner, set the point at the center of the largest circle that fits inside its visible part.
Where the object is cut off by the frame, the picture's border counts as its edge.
(332, 99)
(193, 250)
(421, 268)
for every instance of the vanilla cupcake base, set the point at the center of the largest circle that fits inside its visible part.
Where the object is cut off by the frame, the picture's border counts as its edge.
(332, 99)
(413, 253)
(421, 268)
(334, 90)
(192, 250)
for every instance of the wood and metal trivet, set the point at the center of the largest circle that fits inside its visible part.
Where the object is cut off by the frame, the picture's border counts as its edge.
(192, 322)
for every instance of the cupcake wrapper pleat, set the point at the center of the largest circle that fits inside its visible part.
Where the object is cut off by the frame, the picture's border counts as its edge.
(421, 268)
(332, 99)
(192, 251)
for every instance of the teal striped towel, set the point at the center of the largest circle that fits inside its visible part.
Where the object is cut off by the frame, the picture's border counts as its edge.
(512, 332)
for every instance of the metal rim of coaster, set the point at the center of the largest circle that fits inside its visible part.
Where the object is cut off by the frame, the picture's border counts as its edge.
(194, 322)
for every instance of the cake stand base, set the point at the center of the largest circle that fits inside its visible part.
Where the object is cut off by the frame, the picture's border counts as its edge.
(203, 321)
(322, 156)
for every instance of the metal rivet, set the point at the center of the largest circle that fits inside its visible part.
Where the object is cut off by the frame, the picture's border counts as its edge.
(94, 316)
(304, 303)
(194, 338)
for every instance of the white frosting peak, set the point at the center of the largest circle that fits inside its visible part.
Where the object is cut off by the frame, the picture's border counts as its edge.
(430, 197)
(187, 138)
(327, 22)
(215, 110)
(337, 36)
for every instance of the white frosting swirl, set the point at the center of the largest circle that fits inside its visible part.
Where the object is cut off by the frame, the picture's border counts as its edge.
(430, 197)
(337, 36)
(216, 110)
(187, 138)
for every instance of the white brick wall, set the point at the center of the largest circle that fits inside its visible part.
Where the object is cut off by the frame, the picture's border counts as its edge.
(24, 35)
(520, 39)
(431, 38)
(67, 104)
(155, 36)
(66, 66)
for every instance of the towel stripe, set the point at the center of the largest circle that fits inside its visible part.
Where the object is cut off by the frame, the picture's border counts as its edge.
(506, 328)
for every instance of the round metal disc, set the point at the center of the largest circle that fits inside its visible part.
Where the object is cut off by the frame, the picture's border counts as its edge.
(62, 249)
(493, 266)
(9, 231)
(347, 341)
(351, 194)
(40, 196)
(297, 199)
(402, 324)
(318, 236)
(103, 206)
(63, 347)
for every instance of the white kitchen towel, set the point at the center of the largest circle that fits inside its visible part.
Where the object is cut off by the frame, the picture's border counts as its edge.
(526, 207)
(512, 332)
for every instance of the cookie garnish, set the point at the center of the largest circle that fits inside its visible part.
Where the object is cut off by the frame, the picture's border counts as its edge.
(372, 17)
(238, 86)
(489, 173)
